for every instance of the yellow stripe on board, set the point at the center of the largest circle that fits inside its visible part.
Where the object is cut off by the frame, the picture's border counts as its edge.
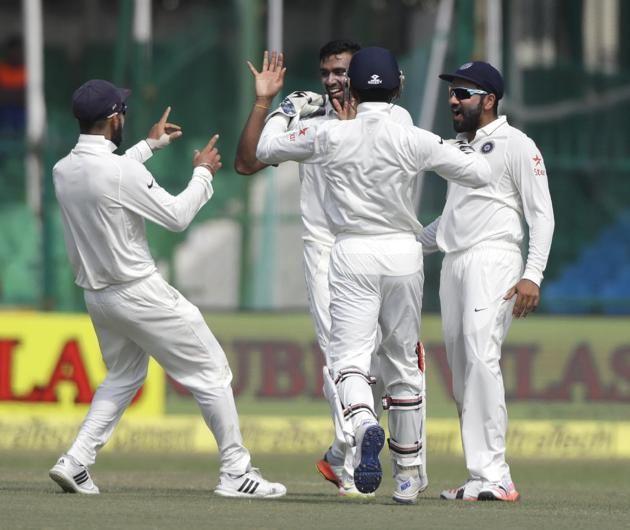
(269, 434)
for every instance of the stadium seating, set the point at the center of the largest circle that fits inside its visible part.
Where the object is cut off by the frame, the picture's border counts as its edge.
(599, 280)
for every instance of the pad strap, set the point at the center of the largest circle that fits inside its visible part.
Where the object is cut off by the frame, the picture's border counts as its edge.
(405, 450)
(345, 374)
(406, 403)
(353, 410)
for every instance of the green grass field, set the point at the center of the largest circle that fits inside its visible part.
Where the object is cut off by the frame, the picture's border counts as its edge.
(175, 491)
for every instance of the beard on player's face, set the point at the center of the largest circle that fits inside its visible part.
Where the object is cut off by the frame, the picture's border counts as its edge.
(466, 118)
(117, 133)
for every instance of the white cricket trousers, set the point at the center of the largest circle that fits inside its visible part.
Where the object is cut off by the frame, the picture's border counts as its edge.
(149, 317)
(316, 268)
(475, 322)
(377, 281)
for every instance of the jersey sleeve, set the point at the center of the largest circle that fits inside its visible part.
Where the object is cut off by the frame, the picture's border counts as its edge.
(139, 192)
(140, 152)
(435, 154)
(279, 144)
(527, 169)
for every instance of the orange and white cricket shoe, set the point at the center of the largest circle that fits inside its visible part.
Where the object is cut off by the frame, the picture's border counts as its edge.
(469, 491)
(499, 491)
(330, 472)
(335, 475)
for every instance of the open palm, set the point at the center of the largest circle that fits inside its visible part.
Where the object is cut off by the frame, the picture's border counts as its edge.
(270, 79)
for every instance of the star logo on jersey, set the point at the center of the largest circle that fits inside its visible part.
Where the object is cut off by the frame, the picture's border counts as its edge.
(303, 131)
(537, 159)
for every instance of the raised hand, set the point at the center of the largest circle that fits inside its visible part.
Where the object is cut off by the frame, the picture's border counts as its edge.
(347, 111)
(209, 156)
(163, 133)
(270, 79)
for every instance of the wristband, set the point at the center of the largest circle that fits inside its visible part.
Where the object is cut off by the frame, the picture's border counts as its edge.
(207, 166)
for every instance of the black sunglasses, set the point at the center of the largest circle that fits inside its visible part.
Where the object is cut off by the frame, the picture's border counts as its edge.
(466, 93)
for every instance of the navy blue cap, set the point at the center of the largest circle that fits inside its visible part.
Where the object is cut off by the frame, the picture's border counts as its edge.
(374, 68)
(482, 74)
(97, 99)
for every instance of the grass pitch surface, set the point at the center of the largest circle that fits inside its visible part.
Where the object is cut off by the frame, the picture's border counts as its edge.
(175, 491)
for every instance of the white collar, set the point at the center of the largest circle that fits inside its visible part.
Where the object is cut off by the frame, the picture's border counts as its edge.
(96, 140)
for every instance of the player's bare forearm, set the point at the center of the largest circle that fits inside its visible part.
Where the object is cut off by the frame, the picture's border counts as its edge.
(246, 162)
(268, 83)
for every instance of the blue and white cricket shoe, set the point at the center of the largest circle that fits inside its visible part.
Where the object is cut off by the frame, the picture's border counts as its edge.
(72, 476)
(409, 482)
(368, 473)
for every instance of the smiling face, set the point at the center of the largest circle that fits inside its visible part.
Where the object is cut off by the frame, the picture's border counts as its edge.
(333, 71)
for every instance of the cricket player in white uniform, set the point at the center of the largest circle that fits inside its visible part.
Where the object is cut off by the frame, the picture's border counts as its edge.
(376, 268)
(481, 232)
(317, 236)
(104, 200)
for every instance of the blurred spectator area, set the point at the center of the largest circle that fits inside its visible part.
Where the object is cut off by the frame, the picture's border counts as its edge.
(567, 70)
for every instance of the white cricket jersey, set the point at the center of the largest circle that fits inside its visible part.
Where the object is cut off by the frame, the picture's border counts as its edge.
(104, 199)
(518, 193)
(369, 164)
(313, 184)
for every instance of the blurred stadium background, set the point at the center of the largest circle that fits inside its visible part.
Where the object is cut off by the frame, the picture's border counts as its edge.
(567, 70)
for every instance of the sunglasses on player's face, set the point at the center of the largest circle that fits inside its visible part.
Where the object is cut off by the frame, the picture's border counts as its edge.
(465, 93)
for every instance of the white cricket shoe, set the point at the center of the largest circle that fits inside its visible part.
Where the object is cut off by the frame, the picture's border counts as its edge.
(251, 485)
(499, 491)
(469, 491)
(409, 483)
(368, 473)
(72, 476)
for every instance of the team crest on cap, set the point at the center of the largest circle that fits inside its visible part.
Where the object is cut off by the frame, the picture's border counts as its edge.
(487, 147)
(375, 79)
(465, 66)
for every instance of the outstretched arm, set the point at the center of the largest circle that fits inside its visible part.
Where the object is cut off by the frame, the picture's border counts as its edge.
(268, 83)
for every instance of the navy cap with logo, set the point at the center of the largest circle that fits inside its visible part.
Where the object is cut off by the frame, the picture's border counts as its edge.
(482, 74)
(374, 68)
(98, 99)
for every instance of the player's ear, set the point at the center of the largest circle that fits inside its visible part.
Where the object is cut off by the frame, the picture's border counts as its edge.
(489, 101)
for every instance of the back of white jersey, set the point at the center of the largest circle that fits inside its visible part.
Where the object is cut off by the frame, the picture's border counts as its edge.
(313, 183)
(377, 199)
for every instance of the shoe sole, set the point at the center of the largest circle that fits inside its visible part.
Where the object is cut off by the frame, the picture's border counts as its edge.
(488, 496)
(326, 471)
(66, 482)
(368, 474)
(238, 494)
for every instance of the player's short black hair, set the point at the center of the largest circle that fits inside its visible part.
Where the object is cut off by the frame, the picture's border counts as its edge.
(89, 127)
(335, 47)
